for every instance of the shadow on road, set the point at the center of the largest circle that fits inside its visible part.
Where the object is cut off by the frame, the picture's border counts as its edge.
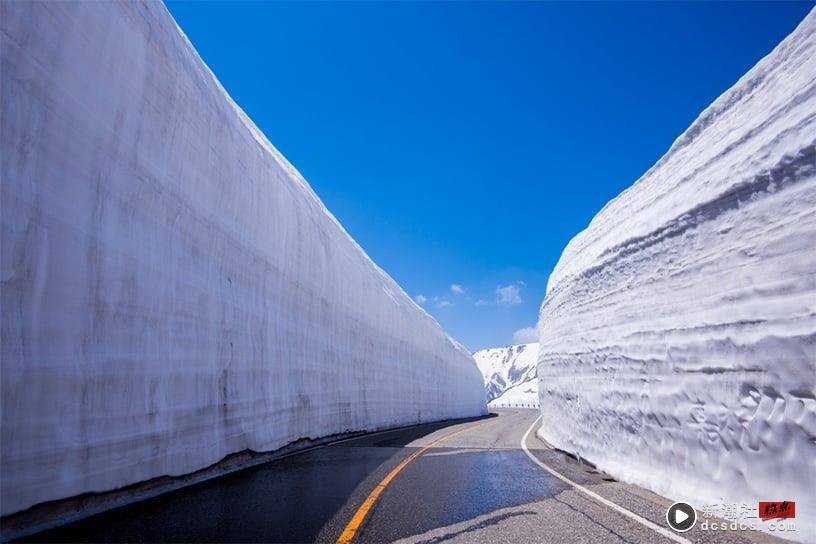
(294, 499)
(403, 437)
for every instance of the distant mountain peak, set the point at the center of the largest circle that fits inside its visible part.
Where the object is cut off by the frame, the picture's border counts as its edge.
(509, 373)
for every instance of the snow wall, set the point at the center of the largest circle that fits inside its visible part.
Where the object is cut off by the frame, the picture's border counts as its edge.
(172, 289)
(678, 333)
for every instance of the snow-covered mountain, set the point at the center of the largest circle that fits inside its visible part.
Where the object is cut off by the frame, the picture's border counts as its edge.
(678, 332)
(509, 374)
(173, 291)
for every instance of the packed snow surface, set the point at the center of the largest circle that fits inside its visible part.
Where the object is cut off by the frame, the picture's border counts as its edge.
(678, 333)
(172, 289)
(509, 374)
(523, 395)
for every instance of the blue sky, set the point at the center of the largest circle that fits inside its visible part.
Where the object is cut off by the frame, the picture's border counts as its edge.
(464, 144)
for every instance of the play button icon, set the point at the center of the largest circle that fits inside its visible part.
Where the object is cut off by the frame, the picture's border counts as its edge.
(681, 517)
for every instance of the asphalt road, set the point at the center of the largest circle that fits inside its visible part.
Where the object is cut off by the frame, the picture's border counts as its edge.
(466, 482)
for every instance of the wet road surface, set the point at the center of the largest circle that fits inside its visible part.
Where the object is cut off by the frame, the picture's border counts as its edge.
(478, 485)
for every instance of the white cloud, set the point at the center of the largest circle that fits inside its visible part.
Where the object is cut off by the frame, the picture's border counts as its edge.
(527, 335)
(443, 303)
(421, 299)
(457, 289)
(509, 295)
(482, 302)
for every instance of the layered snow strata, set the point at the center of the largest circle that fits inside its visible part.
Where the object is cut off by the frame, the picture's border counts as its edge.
(678, 333)
(510, 374)
(173, 291)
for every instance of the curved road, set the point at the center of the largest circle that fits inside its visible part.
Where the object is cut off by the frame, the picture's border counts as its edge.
(465, 482)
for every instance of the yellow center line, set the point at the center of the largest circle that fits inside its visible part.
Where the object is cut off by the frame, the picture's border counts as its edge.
(359, 516)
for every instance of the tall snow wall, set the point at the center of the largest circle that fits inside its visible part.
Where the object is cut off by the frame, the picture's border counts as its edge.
(678, 333)
(173, 291)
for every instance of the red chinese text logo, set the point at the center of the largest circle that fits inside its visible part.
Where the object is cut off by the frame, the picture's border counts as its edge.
(782, 509)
